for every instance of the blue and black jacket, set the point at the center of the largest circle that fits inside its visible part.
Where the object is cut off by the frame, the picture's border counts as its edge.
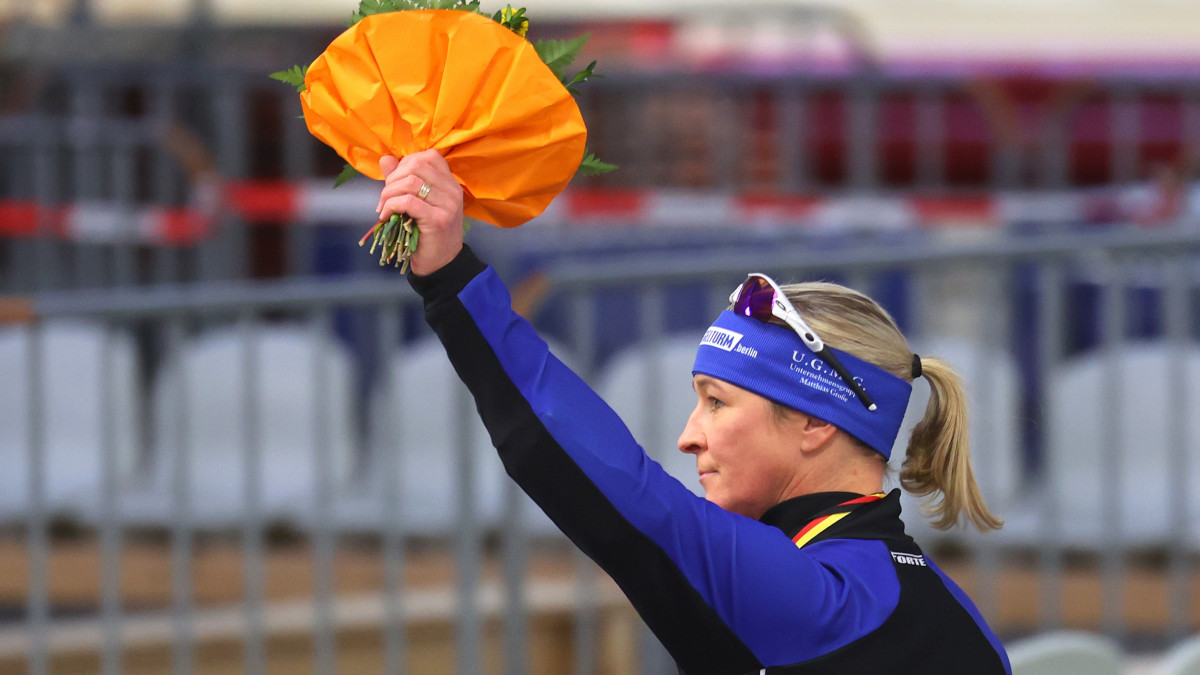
(725, 594)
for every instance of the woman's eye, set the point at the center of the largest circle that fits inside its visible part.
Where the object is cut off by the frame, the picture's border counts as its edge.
(715, 403)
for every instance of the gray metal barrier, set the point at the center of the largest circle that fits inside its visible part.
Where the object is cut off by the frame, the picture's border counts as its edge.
(247, 325)
(134, 143)
(1008, 299)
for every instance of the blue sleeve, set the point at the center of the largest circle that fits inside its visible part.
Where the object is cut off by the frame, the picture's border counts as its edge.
(724, 593)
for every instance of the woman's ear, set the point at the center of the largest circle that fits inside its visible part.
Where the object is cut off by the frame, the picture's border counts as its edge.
(815, 433)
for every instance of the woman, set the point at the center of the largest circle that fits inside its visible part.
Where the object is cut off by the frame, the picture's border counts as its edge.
(795, 561)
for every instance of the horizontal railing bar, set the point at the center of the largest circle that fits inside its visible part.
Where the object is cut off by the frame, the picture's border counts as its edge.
(77, 130)
(794, 256)
(231, 296)
(220, 298)
(351, 611)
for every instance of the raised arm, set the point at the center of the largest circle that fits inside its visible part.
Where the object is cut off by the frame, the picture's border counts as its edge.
(706, 581)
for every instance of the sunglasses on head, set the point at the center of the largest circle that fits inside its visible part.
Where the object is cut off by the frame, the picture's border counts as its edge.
(759, 297)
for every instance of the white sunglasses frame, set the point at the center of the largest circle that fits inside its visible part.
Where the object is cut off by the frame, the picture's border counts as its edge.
(785, 311)
(782, 309)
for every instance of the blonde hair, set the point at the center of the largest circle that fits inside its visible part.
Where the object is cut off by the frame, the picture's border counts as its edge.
(937, 463)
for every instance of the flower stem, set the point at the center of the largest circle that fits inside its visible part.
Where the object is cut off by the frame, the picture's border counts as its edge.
(396, 238)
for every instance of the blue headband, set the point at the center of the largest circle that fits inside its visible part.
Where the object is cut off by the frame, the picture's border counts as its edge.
(773, 362)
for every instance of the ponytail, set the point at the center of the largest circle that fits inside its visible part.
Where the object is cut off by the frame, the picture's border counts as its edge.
(938, 462)
(939, 457)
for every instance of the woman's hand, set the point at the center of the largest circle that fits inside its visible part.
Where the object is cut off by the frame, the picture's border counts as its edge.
(438, 213)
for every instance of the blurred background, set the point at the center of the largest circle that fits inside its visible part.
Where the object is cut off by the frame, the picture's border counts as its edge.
(230, 445)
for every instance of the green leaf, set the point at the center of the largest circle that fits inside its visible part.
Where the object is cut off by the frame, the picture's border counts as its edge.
(558, 54)
(293, 76)
(582, 76)
(590, 166)
(347, 173)
(371, 7)
(464, 5)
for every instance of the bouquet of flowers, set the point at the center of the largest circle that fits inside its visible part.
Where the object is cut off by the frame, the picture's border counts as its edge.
(410, 75)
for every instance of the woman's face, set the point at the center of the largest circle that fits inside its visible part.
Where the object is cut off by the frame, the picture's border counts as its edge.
(748, 459)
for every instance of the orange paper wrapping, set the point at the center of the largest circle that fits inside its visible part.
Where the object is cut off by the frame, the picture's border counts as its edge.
(403, 82)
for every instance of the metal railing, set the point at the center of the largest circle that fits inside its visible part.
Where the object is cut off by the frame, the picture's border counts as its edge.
(119, 169)
(1012, 301)
(1009, 299)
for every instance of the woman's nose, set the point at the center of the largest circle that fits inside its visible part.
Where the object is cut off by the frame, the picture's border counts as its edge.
(691, 440)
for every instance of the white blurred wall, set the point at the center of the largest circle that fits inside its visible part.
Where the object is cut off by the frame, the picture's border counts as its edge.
(904, 29)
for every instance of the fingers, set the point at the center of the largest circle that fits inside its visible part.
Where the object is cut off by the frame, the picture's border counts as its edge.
(419, 210)
(422, 173)
(439, 214)
(423, 169)
(388, 163)
(404, 185)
